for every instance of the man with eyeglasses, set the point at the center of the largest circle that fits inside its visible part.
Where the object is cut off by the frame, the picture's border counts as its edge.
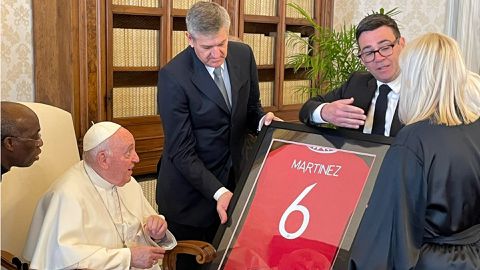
(367, 101)
(21, 140)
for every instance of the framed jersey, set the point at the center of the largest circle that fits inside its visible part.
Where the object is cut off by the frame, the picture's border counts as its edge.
(301, 201)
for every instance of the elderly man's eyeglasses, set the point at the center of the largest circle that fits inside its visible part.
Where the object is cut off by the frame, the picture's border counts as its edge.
(384, 51)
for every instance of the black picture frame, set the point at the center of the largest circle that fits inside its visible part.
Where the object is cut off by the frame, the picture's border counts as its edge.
(277, 133)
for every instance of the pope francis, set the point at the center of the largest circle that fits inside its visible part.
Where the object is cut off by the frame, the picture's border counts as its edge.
(95, 215)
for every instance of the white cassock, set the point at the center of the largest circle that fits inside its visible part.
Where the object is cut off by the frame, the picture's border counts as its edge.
(80, 223)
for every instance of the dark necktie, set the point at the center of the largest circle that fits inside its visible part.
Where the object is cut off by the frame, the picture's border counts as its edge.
(217, 74)
(380, 110)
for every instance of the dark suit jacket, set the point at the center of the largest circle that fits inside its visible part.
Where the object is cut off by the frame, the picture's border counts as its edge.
(203, 139)
(361, 86)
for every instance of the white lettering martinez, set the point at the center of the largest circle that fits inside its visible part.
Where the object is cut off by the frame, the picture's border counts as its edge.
(316, 168)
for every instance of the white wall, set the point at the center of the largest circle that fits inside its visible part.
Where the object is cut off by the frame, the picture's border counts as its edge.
(417, 16)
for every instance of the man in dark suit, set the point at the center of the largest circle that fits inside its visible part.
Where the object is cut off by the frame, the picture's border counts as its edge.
(208, 99)
(367, 101)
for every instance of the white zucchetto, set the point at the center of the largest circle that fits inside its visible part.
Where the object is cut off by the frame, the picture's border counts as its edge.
(98, 133)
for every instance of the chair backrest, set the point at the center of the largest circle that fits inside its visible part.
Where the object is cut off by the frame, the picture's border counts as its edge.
(21, 188)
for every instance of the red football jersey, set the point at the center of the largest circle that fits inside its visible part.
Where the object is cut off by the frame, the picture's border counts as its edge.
(304, 198)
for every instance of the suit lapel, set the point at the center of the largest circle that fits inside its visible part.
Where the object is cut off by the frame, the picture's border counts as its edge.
(364, 100)
(234, 72)
(396, 124)
(204, 82)
(368, 96)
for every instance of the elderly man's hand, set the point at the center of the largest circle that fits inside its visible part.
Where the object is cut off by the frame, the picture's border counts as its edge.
(145, 257)
(156, 227)
(222, 205)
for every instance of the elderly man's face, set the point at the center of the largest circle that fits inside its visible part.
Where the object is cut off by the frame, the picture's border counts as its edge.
(123, 157)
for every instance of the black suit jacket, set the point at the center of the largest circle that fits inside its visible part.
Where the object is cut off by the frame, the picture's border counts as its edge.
(203, 139)
(361, 86)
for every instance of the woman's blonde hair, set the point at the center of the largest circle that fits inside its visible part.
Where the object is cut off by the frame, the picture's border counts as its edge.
(436, 85)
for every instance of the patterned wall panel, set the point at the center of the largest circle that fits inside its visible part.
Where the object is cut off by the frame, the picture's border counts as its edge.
(417, 16)
(16, 50)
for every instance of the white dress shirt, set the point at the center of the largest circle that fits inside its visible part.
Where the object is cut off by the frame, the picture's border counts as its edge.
(392, 98)
(226, 79)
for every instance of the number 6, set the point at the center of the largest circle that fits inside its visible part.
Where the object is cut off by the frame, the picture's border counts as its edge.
(296, 207)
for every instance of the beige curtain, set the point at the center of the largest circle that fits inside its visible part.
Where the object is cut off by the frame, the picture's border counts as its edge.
(463, 24)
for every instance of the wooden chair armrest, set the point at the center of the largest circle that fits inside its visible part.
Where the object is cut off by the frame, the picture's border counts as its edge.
(10, 262)
(203, 251)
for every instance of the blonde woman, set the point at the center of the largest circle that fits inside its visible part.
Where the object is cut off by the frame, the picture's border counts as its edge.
(424, 212)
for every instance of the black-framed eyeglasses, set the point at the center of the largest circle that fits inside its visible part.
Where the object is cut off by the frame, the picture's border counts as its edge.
(384, 51)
